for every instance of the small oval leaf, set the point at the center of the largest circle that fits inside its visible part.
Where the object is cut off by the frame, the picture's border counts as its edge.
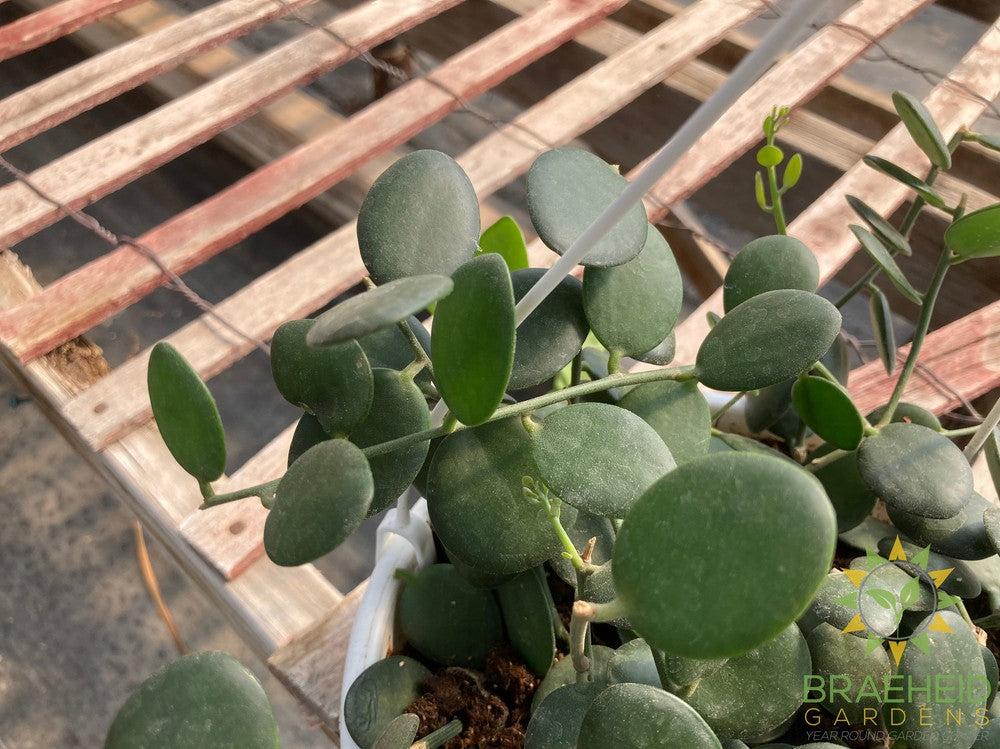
(661, 354)
(899, 174)
(851, 497)
(908, 412)
(976, 234)
(319, 503)
(767, 339)
(829, 411)
(770, 156)
(185, 414)
(472, 341)
(403, 233)
(884, 260)
(526, 605)
(380, 694)
(678, 412)
(793, 170)
(922, 128)
(962, 536)
(378, 308)
(567, 190)
(556, 723)
(885, 335)
(766, 264)
(880, 227)
(504, 237)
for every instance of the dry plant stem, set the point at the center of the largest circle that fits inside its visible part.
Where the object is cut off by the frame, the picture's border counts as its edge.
(419, 355)
(582, 578)
(149, 578)
(982, 432)
(828, 458)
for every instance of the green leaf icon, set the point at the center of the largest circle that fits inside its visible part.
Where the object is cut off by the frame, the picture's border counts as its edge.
(883, 598)
(910, 593)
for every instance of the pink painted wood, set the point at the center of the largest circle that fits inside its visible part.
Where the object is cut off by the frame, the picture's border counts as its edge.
(58, 20)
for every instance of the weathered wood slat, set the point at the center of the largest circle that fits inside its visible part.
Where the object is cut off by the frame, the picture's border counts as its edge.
(101, 78)
(82, 298)
(55, 21)
(105, 164)
(113, 406)
(824, 225)
(964, 354)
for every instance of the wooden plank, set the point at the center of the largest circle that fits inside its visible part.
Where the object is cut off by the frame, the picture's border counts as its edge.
(824, 225)
(101, 78)
(964, 354)
(55, 21)
(267, 605)
(111, 408)
(82, 298)
(107, 163)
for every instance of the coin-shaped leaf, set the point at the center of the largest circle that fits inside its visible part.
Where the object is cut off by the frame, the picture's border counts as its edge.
(563, 673)
(882, 229)
(633, 662)
(908, 412)
(641, 715)
(950, 655)
(962, 536)
(526, 606)
(834, 654)
(829, 411)
(884, 260)
(202, 699)
(504, 237)
(567, 190)
(308, 433)
(472, 342)
(976, 234)
(766, 264)
(599, 457)
(885, 335)
(661, 354)
(633, 307)
(320, 502)
(403, 232)
(751, 694)
(399, 733)
(991, 522)
(851, 497)
(556, 723)
(448, 620)
(334, 383)
(678, 412)
(476, 500)
(767, 339)
(922, 128)
(398, 409)
(912, 181)
(380, 694)
(551, 335)
(916, 469)
(750, 502)
(370, 311)
(185, 414)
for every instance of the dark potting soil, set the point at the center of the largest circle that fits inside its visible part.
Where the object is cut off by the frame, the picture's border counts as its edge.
(494, 706)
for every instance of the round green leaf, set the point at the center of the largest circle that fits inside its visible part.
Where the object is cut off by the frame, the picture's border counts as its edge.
(766, 264)
(949, 656)
(766, 406)
(319, 503)
(770, 156)
(556, 723)
(908, 412)
(308, 433)
(767, 339)
(899, 174)
(678, 412)
(661, 354)
(829, 411)
(380, 694)
(504, 237)
(398, 409)
(885, 336)
(962, 536)
(851, 497)
(633, 662)
(643, 716)
(185, 414)
(472, 341)
(720, 513)
(476, 500)
(563, 673)
(962, 581)
(599, 457)
(976, 234)
(752, 694)
(835, 655)
(567, 190)
(370, 311)
(991, 522)
(399, 733)
(916, 469)
(207, 700)
(448, 620)
(922, 128)
(743, 444)
(992, 672)
(633, 307)
(333, 383)
(880, 227)
(527, 614)
(884, 260)
(551, 335)
(403, 232)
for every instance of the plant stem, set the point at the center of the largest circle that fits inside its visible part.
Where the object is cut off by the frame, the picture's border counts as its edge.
(826, 373)
(982, 431)
(662, 671)
(923, 324)
(576, 370)
(614, 361)
(265, 492)
(419, 355)
(726, 406)
(440, 737)
(623, 379)
(822, 461)
(777, 211)
(857, 286)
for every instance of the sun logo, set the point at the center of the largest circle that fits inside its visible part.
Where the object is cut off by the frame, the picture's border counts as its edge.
(880, 611)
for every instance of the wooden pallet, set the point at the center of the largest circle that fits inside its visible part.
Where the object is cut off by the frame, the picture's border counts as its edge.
(295, 618)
